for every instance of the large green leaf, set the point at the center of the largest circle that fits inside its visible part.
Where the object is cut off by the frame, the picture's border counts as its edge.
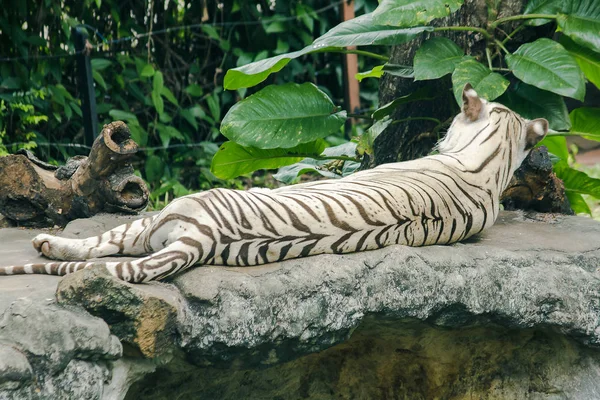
(364, 31)
(408, 13)
(254, 73)
(586, 121)
(233, 160)
(550, 7)
(436, 57)
(282, 116)
(403, 71)
(360, 31)
(531, 103)
(582, 23)
(578, 203)
(577, 181)
(556, 145)
(588, 60)
(547, 65)
(486, 83)
(289, 173)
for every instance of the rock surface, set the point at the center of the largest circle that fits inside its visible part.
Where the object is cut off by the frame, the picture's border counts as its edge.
(513, 313)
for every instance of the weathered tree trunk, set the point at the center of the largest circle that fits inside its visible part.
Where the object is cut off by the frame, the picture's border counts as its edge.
(535, 187)
(412, 139)
(33, 193)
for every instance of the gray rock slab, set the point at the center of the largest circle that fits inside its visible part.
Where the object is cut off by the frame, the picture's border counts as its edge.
(16, 249)
(66, 349)
(532, 278)
(524, 272)
(14, 367)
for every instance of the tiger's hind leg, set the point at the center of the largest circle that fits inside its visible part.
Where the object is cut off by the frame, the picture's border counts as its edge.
(175, 257)
(127, 239)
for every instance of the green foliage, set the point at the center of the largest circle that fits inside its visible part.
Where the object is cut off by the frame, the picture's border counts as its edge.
(585, 121)
(437, 57)
(19, 113)
(488, 84)
(282, 117)
(423, 94)
(365, 142)
(532, 80)
(548, 66)
(588, 60)
(531, 103)
(593, 203)
(409, 13)
(233, 160)
(168, 84)
(581, 22)
(577, 183)
(360, 31)
(334, 162)
(154, 66)
(376, 72)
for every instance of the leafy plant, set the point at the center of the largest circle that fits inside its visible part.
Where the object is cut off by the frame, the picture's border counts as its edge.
(533, 80)
(159, 66)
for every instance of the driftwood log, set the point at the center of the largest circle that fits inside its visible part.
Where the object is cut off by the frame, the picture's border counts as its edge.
(33, 193)
(536, 187)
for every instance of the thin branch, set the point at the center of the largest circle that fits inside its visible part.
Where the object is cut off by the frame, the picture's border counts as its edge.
(437, 121)
(488, 54)
(512, 34)
(360, 53)
(497, 22)
(499, 44)
(360, 116)
(324, 158)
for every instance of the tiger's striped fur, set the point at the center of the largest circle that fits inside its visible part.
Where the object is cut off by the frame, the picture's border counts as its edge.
(439, 199)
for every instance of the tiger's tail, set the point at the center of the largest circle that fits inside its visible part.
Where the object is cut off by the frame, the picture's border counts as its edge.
(177, 256)
(59, 268)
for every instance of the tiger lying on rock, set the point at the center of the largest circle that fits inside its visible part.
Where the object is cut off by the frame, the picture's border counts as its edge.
(438, 199)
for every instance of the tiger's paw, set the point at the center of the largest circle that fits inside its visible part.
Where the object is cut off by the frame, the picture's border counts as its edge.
(55, 247)
(42, 244)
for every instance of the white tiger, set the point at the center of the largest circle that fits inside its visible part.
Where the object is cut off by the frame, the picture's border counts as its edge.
(438, 199)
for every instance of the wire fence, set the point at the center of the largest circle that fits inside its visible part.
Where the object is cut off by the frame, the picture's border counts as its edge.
(86, 147)
(103, 42)
(106, 42)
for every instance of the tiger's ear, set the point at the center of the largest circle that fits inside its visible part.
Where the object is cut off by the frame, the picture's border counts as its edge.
(471, 103)
(535, 131)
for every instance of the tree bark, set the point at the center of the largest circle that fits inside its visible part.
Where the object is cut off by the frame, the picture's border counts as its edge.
(33, 193)
(413, 139)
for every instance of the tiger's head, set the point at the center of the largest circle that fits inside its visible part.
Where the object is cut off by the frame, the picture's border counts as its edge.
(481, 121)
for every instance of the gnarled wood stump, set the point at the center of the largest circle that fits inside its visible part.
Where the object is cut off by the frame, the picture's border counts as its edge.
(534, 186)
(33, 193)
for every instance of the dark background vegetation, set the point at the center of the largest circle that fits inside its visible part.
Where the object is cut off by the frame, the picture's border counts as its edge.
(192, 44)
